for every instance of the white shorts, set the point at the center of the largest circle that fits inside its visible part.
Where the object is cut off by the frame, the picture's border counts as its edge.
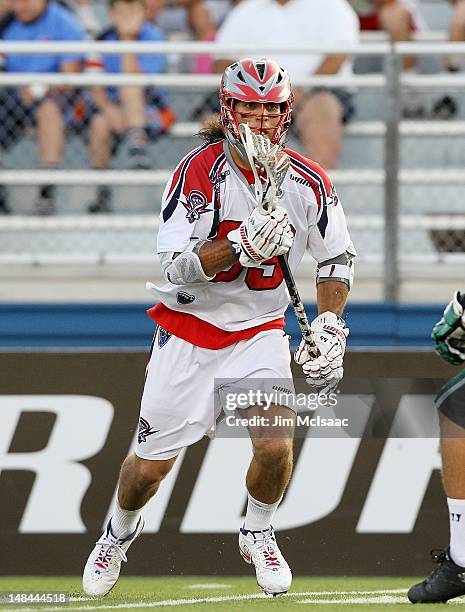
(186, 386)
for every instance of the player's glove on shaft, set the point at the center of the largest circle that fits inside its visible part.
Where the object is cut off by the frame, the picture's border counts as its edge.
(330, 334)
(448, 334)
(260, 237)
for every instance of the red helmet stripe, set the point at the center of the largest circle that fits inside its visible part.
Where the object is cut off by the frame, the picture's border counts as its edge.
(249, 67)
(277, 94)
(270, 71)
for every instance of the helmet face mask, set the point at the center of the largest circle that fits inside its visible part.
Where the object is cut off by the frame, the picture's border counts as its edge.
(261, 81)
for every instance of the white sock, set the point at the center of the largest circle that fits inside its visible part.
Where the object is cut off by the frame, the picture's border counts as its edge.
(457, 530)
(123, 522)
(259, 515)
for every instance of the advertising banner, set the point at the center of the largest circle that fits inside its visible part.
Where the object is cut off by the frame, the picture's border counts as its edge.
(365, 497)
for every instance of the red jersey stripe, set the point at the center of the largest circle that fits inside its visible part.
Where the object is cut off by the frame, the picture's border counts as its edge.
(211, 150)
(203, 334)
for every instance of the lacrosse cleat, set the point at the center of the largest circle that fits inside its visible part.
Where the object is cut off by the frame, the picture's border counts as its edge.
(260, 548)
(446, 581)
(104, 563)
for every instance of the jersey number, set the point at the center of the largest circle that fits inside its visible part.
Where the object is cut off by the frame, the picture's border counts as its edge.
(269, 276)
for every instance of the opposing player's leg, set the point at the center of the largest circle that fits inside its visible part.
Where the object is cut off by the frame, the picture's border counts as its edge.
(174, 414)
(447, 579)
(267, 477)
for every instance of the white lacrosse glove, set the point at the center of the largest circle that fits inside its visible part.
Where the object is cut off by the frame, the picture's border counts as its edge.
(330, 334)
(260, 237)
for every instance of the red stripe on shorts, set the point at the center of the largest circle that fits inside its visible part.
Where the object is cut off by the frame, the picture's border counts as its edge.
(203, 334)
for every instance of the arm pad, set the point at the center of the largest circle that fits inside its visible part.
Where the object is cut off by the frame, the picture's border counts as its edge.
(340, 268)
(183, 268)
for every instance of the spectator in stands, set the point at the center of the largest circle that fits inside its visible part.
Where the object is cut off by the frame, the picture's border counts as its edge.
(38, 104)
(197, 12)
(320, 113)
(184, 18)
(5, 8)
(85, 13)
(135, 113)
(446, 106)
(400, 19)
(456, 32)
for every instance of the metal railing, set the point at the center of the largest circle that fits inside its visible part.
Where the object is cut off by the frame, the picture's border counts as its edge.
(392, 82)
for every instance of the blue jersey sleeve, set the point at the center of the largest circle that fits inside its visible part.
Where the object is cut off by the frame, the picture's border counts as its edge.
(68, 28)
(151, 64)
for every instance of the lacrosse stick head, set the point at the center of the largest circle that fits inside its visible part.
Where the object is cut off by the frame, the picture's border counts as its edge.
(269, 163)
(262, 81)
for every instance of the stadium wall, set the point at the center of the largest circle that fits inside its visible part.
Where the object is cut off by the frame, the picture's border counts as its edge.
(358, 504)
(126, 325)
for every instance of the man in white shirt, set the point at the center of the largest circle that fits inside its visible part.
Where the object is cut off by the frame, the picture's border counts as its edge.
(320, 113)
(400, 19)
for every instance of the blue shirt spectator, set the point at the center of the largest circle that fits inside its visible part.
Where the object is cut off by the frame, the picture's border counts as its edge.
(56, 23)
(131, 114)
(39, 105)
(149, 64)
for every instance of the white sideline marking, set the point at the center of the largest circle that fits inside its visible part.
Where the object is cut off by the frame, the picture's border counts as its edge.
(196, 600)
(208, 585)
(386, 599)
(80, 598)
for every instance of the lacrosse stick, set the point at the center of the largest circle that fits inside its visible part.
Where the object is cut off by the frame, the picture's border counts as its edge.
(268, 192)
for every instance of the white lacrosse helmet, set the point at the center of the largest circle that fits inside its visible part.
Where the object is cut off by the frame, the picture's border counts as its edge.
(251, 80)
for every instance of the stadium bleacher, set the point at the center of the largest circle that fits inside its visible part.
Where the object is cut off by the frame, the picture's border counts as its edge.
(363, 149)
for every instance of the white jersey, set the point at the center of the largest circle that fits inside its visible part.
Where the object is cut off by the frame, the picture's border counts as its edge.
(299, 22)
(208, 196)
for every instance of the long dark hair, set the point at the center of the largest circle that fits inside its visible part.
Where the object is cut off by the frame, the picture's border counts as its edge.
(213, 132)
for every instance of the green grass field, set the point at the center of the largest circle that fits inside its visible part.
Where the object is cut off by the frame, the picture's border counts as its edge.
(225, 594)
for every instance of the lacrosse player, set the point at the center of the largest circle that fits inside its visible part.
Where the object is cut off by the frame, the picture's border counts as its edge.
(231, 208)
(447, 580)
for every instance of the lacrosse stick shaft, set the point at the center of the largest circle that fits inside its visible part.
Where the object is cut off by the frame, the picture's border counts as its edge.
(250, 145)
(297, 304)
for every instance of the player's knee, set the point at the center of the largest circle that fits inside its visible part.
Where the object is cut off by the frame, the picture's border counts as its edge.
(272, 451)
(152, 471)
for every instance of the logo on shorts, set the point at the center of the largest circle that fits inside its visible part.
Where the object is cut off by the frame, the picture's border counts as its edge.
(163, 337)
(195, 205)
(145, 430)
(184, 298)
